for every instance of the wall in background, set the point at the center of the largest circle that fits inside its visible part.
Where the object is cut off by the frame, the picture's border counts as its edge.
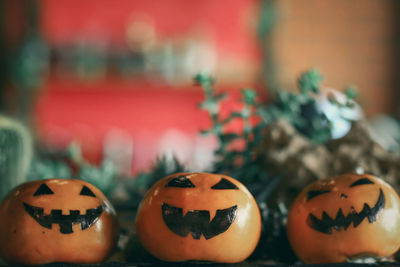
(126, 67)
(351, 42)
(181, 35)
(121, 75)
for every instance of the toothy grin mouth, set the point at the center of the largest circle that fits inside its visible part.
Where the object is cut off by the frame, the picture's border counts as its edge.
(64, 221)
(326, 223)
(197, 222)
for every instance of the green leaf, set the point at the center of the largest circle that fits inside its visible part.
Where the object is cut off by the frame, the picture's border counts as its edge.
(204, 78)
(211, 105)
(249, 96)
(310, 81)
(351, 92)
(229, 137)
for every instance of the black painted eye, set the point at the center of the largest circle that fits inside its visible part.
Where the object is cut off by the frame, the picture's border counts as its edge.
(181, 181)
(43, 190)
(224, 184)
(87, 192)
(361, 182)
(313, 193)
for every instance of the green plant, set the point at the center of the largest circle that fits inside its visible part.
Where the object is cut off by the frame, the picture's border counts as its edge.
(242, 164)
(15, 154)
(70, 163)
(301, 110)
(298, 108)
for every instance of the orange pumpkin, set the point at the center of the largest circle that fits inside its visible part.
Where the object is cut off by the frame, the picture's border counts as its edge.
(345, 218)
(199, 216)
(56, 220)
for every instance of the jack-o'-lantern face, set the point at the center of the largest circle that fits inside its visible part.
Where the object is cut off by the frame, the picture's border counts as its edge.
(54, 220)
(65, 221)
(344, 218)
(199, 216)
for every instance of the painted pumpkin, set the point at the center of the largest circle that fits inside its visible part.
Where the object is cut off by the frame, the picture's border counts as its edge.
(56, 220)
(345, 218)
(199, 216)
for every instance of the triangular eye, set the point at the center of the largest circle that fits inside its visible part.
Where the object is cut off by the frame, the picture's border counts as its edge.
(181, 181)
(87, 192)
(313, 193)
(361, 182)
(224, 184)
(43, 190)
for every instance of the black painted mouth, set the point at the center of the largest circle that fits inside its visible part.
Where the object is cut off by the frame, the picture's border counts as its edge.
(64, 221)
(197, 222)
(326, 223)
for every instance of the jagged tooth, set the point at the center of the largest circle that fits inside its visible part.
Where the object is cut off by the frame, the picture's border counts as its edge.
(381, 200)
(367, 212)
(196, 234)
(94, 212)
(74, 215)
(92, 215)
(366, 209)
(340, 220)
(372, 217)
(74, 212)
(357, 219)
(212, 214)
(339, 215)
(56, 214)
(348, 221)
(185, 210)
(326, 217)
(314, 218)
(353, 210)
(88, 221)
(66, 228)
(319, 225)
(354, 217)
(86, 224)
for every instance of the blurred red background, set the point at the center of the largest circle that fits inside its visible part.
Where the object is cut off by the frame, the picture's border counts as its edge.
(160, 118)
